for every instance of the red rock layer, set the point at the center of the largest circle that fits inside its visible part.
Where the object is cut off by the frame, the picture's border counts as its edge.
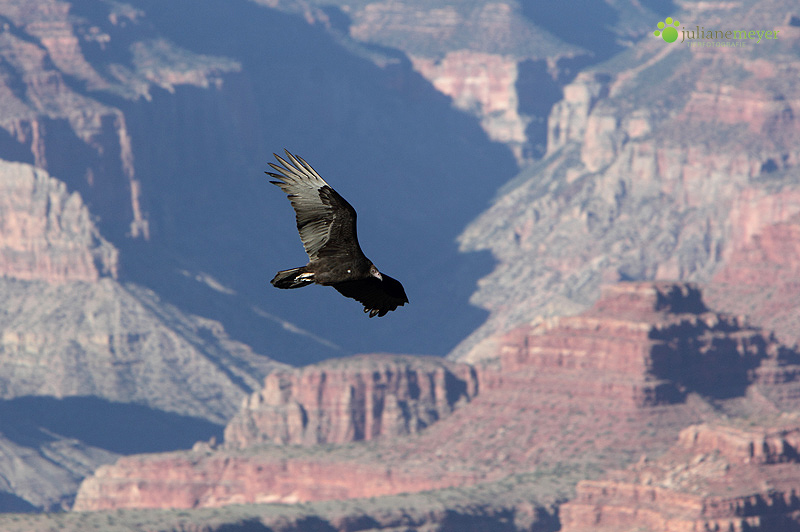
(200, 479)
(715, 478)
(760, 276)
(358, 398)
(645, 179)
(583, 393)
(645, 343)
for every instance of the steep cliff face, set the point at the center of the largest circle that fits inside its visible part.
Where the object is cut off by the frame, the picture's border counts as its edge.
(47, 233)
(759, 277)
(660, 343)
(471, 54)
(484, 85)
(47, 118)
(655, 164)
(68, 328)
(353, 399)
(588, 393)
(716, 478)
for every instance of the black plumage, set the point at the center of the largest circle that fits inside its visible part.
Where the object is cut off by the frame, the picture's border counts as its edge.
(327, 227)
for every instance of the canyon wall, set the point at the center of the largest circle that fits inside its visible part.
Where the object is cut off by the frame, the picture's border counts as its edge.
(717, 477)
(662, 164)
(576, 391)
(68, 327)
(471, 54)
(661, 343)
(52, 116)
(47, 233)
(352, 399)
(201, 479)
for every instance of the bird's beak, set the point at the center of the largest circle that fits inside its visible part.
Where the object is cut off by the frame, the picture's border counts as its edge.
(378, 275)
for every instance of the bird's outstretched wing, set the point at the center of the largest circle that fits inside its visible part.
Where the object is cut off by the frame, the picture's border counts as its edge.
(378, 296)
(325, 221)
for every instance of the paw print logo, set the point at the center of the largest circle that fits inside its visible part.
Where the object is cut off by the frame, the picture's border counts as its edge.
(666, 30)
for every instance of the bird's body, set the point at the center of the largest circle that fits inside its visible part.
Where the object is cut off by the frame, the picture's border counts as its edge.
(327, 227)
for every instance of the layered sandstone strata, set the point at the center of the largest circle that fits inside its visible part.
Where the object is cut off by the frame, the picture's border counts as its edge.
(717, 477)
(667, 163)
(353, 399)
(207, 479)
(587, 393)
(647, 343)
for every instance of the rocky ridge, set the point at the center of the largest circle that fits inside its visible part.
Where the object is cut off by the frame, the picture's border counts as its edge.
(716, 477)
(576, 393)
(121, 343)
(49, 122)
(354, 399)
(70, 329)
(46, 233)
(663, 163)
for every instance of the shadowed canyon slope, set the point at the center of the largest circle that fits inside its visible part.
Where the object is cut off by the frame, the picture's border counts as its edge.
(388, 142)
(69, 328)
(78, 344)
(501, 61)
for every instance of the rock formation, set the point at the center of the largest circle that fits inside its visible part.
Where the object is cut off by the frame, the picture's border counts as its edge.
(201, 479)
(471, 54)
(47, 233)
(121, 343)
(660, 165)
(758, 279)
(485, 85)
(651, 342)
(589, 393)
(48, 122)
(69, 328)
(504, 505)
(717, 477)
(352, 399)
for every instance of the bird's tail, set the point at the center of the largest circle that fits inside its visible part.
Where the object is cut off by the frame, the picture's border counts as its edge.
(294, 278)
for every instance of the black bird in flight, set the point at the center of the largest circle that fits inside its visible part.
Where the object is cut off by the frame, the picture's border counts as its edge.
(327, 226)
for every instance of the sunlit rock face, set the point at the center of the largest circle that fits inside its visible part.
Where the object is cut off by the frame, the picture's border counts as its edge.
(352, 399)
(667, 163)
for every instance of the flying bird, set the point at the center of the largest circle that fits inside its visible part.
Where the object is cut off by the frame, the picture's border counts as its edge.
(327, 227)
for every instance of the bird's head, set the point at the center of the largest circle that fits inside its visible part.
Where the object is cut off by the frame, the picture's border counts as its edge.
(373, 271)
